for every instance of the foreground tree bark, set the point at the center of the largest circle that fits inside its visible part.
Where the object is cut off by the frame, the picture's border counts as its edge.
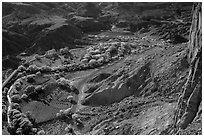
(189, 101)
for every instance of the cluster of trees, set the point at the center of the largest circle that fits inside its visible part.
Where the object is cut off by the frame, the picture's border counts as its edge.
(68, 116)
(67, 85)
(51, 53)
(64, 51)
(96, 57)
(30, 78)
(104, 53)
(4, 103)
(30, 92)
(19, 123)
(65, 114)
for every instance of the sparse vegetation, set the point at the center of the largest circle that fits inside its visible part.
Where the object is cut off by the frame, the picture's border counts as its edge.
(101, 68)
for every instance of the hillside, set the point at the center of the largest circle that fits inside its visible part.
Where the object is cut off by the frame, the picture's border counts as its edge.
(97, 68)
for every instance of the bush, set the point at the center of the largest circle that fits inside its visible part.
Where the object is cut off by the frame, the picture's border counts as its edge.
(24, 97)
(17, 85)
(16, 98)
(64, 51)
(63, 114)
(74, 90)
(21, 68)
(35, 130)
(101, 60)
(87, 56)
(68, 112)
(51, 54)
(85, 60)
(92, 62)
(38, 73)
(5, 91)
(26, 126)
(19, 131)
(37, 57)
(57, 76)
(30, 89)
(15, 106)
(31, 78)
(46, 69)
(4, 112)
(19, 115)
(32, 69)
(20, 124)
(14, 92)
(13, 112)
(41, 132)
(30, 117)
(63, 82)
(39, 89)
(70, 98)
(20, 75)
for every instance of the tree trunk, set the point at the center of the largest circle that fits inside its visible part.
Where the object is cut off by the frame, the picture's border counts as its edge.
(191, 97)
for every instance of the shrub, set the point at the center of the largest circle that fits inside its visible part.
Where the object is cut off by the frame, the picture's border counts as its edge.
(38, 73)
(30, 117)
(101, 60)
(19, 131)
(16, 98)
(21, 68)
(30, 89)
(37, 57)
(4, 112)
(20, 124)
(19, 116)
(63, 82)
(57, 76)
(15, 106)
(20, 75)
(75, 116)
(24, 97)
(32, 69)
(39, 89)
(14, 92)
(68, 128)
(87, 56)
(51, 54)
(74, 89)
(63, 114)
(66, 61)
(92, 62)
(68, 112)
(5, 91)
(26, 126)
(85, 60)
(41, 132)
(17, 85)
(64, 51)
(46, 69)
(69, 98)
(30, 78)
(35, 130)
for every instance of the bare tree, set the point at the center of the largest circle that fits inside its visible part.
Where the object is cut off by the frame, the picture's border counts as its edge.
(189, 101)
